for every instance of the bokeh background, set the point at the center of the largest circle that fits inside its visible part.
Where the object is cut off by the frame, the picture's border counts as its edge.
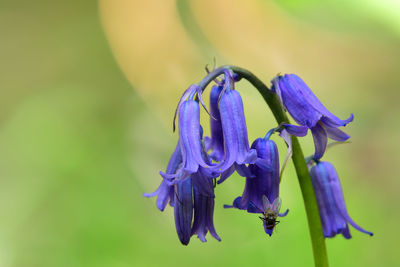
(88, 91)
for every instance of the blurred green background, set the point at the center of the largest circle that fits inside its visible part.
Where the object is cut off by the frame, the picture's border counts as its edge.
(88, 91)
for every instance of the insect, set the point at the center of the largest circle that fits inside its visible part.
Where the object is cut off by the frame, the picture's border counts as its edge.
(270, 213)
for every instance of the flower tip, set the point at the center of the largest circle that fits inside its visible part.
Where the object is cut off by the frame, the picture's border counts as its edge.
(350, 119)
(217, 237)
(284, 214)
(185, 243)
(268, 231)
(202, 238)
(151, 194)
(184, 239)
(167, 176)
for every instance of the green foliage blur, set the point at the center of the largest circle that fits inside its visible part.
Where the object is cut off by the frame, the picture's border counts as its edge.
(85, 126)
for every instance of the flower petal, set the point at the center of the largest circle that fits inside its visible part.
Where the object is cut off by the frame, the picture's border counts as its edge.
(334, 183)
(217, 138)
(327, 210)
(243, 171)
(314, 102)
(295, 130)
(346, 232)
(203, 216)
(263, 164)
(288, 139)
(283, 214)
(184, 96)
(190, 137)
(265, 184)
(320, 140)
(203, 184)
(333, 121)
(267, 229)
(295, 102)
(165, 191)
(336, 134)
(330, 200)
(183, 210)
(225, 175)
(236, 144)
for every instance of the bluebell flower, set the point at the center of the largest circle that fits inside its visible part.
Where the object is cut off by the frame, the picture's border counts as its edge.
(331, 205)
(216, 142)
(262, 188)
(203, 214)
(190, 142)
(193, 193)
(306, 109)
(234, 129)
(179, 196)
(183, 210)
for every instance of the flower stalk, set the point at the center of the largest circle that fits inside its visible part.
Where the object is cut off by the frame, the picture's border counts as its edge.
(310, 203)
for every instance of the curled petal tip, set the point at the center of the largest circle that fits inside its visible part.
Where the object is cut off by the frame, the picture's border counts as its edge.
(149, 194)
(284, 214)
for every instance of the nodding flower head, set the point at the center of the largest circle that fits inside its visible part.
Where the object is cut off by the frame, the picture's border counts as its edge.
(262, 188)
(190, 178)
(216, 142)
(306, 109)
(234, 131)
(203, 214)
(183, 210)
(330, 200)
(190, 139)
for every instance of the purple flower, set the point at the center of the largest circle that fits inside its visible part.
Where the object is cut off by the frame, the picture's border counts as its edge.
(263, 187)
(234, 129)
(216, 142)
(183, 210)
(329, 195)
(307, 110)
(195, 192)
(190, 142)
(203, 215)
(189, 198)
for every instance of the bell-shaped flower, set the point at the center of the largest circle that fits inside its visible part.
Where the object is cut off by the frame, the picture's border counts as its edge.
(203, 214)
(216, 142)
(306, 109)
(193, 193)
(330, 200)
(234, 129)
(183, 210)
(262, 188)
(190, 141)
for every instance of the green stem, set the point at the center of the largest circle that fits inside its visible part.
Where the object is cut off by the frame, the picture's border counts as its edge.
(310, 203)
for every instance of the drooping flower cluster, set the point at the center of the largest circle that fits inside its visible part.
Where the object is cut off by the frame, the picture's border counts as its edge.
(199, 163)
(306, 109)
